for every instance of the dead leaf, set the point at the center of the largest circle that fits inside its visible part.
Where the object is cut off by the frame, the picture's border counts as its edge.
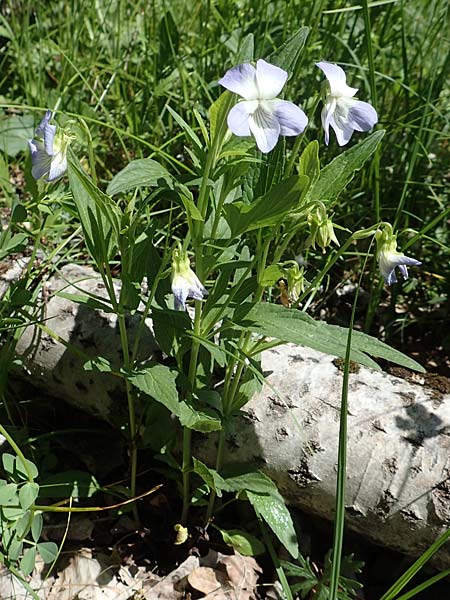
(207, 580)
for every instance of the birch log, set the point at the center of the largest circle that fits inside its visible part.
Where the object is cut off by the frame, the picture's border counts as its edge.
(398, 475)
(398, 480)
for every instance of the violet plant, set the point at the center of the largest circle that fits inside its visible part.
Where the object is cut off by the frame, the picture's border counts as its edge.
(241, 219)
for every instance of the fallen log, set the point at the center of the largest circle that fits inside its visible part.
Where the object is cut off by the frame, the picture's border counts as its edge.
(398, 480)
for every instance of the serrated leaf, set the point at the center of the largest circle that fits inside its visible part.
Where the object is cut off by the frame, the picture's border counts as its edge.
(243, 542)
(28, 494)
(335, 176)
(28, 561)
(144, 172)
(48, 551)
(273, 510)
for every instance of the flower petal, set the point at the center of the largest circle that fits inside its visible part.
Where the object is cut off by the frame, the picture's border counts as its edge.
(265, 127)
(341, 128)
(241, 80)
(362, 116)
(291, 118)
(336, 79)
(40, 160)
(238, 117)
(43, 124)
(326, 116)
(58, 166)
(270, 80)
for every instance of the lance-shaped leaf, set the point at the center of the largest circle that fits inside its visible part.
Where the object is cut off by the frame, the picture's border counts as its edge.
(268, 210)
(144, 172)
(294, 326)
(335, 176)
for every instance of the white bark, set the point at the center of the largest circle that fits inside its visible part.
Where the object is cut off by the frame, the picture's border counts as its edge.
(398, 476)
(398, 483)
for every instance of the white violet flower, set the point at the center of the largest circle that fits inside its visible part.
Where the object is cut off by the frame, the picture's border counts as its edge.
(389, 258)
(341, 110)
(185, 283)
(260, 112)
(49, 150)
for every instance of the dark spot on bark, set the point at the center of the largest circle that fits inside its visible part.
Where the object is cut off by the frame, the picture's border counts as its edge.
(414, 471)
(378, 426)
(390, 465)
(296, 358)
(302, 474)
(353, 511)
(80, 385)
(384, 505)
(281, 433)
(250, 416)
(232, 442)
(408, 398)
(339, 363)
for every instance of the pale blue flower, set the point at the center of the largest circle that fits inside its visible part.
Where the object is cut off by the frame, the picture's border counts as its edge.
(49, 150)
(260, 112)
(341, 110)
(389, 258)
(185, 283)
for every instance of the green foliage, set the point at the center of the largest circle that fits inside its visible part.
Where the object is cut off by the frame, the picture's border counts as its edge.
(310, 583)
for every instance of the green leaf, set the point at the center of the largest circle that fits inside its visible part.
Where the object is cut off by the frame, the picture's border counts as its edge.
(335, 176)
(273, 510)
(87, 301)
(288, 54)
(16, 243)
(159, 382)
(23, 525)
(246, 50)
(272, 273)
(28, 494)
(36, 526)
(98, 364)
(219, 111)
(309, 163)
(144, 172)
(187, 128)
(48, 551)
(72, 483)
(243, 542)
(15, 131)
(8, 495)
(299, 328)
(269, 209)
(100, 218)
(28, 561)
(15, 549)
(252, 481)
(210, 476)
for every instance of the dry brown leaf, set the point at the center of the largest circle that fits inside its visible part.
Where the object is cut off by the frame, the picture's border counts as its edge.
(207, 580)
(243, 573)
